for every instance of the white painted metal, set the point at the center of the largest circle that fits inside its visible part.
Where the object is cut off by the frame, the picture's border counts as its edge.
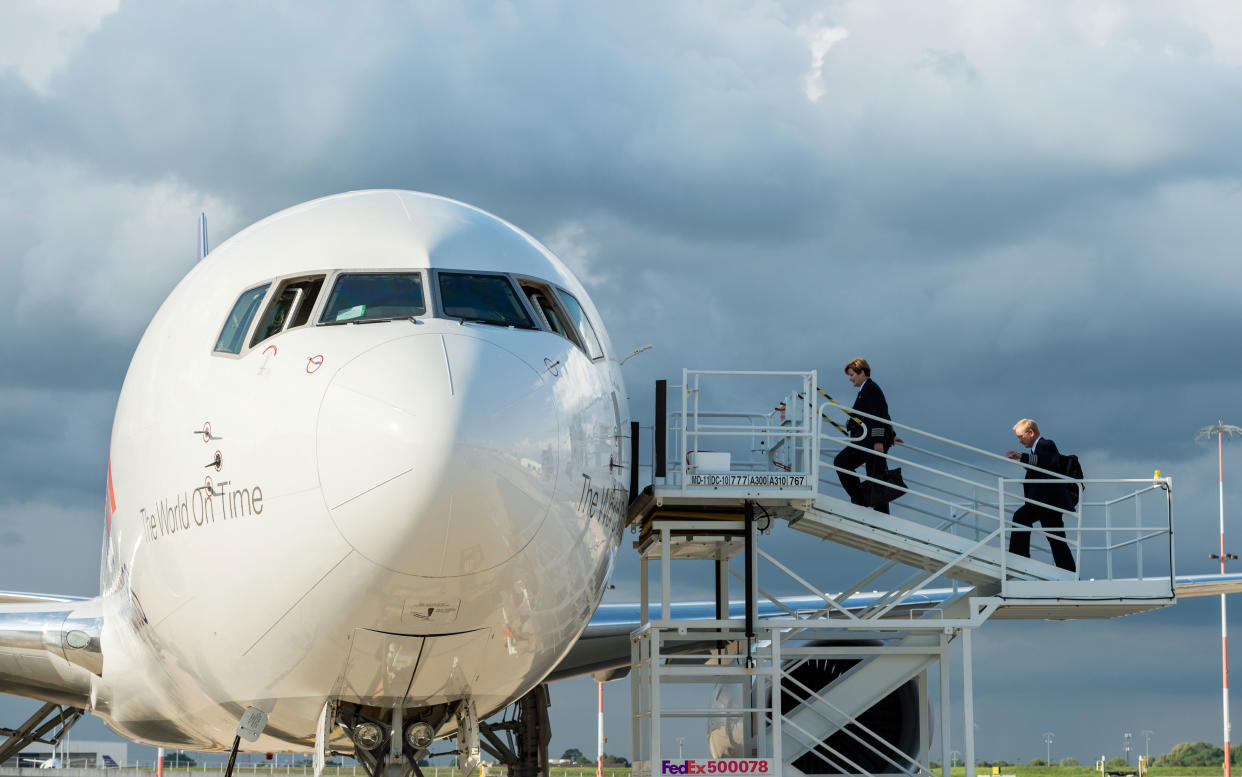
(975, 488)
(968, 702)
(968, 482)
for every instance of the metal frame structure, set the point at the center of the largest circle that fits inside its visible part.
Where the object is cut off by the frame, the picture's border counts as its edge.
(761, 654)
(951, 524)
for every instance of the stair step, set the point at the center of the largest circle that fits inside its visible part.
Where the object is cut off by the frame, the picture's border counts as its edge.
(917, 545)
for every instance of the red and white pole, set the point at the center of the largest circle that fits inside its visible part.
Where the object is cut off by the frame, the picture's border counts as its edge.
(599, 768)
(1224, 637)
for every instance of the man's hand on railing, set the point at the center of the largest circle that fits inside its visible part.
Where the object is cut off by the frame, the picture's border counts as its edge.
(1013, 455)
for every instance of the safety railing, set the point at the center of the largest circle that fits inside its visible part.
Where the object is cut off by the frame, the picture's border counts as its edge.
(1119, 528)
(768, 697)
(717, 447)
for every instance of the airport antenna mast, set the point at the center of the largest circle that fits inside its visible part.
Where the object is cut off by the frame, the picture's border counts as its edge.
(1221, 430)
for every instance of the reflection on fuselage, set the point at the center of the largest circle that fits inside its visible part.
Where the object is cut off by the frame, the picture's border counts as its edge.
(427, 458)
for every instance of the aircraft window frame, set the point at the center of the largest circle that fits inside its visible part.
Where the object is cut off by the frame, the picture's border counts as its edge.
(243, 329)
(532, 316)
(532, 287)
(294, 317)
(591, 335)
(335, 277)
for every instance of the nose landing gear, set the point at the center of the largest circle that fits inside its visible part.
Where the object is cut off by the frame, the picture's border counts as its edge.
(390, 743)
(379, 750)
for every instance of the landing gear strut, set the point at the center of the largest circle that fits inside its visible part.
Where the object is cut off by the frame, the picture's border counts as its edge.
(36, 729)
(528, 734)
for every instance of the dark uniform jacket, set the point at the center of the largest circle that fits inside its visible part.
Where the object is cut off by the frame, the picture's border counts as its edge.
(871, 400)
(1045, 456)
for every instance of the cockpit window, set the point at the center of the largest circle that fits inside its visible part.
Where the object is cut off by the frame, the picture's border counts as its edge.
(585, 331)
(543, 300)
(291, 308)
(488, 299)
(233, 335)
(358, 297)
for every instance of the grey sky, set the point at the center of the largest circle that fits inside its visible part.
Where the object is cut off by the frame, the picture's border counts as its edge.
(1011, 209)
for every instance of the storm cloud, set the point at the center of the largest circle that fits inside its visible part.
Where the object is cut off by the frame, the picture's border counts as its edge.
(1011, 209)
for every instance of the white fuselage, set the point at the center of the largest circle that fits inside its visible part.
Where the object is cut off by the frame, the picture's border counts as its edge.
(407, 511)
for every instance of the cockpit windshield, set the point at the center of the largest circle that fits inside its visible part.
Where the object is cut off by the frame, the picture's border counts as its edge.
(583, 324)
(488, 299)
(233, 335)
(375, 297)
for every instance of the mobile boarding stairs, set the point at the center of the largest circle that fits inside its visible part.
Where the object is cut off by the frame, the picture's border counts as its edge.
(817, 682)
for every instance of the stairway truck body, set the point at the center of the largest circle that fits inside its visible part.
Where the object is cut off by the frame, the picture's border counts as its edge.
(369, 450)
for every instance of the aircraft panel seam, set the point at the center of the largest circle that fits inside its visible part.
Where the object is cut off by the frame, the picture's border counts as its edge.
(293, 606)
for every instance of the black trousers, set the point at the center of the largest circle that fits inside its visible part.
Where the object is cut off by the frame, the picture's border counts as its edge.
(877, 467)
(1020, 541)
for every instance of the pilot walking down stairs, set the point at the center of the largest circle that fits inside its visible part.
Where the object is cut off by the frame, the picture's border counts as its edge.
(866, 433)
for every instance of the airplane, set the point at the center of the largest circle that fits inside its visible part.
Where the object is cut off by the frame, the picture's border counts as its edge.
(367, 475)
(366, 486)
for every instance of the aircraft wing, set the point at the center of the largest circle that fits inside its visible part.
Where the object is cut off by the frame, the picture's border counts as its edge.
(1186, 586)
(19, 597)
(603, 649)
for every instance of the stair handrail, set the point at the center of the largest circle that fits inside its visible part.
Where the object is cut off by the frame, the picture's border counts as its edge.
(957, 444)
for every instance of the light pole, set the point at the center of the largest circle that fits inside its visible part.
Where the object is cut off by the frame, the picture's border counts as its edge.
(1220, 429)
(1147, 747)
(1048, 735)
(1128, 738)
(954, 755)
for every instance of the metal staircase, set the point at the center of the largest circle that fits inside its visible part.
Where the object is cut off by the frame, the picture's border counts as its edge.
(812, 674)
(917, 545)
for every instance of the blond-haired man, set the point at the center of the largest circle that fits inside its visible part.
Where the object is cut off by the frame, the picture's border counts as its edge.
(1043, 454)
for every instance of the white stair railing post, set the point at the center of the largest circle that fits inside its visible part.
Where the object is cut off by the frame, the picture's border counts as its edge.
(1004, 534)
(1108, 540)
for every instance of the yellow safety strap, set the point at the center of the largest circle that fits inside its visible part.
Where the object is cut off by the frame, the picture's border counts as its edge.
(838, 404)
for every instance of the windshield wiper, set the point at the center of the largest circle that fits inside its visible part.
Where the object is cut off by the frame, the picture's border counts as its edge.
(412, 319)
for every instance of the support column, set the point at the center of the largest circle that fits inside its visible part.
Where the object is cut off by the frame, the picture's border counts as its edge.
(968, 702)
(644, 589)
(924, 756)
(666, 573)
(945, 714)
(752, 597)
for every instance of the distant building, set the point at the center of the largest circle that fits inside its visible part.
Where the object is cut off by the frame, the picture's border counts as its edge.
(81, 754)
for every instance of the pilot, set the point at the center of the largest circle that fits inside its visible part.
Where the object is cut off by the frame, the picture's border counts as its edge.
(1044, 454)
(866, 433)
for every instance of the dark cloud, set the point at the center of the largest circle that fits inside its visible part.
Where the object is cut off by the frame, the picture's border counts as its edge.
(1028, 213)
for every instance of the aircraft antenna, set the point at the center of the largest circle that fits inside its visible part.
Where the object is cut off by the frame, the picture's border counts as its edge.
(202, 236)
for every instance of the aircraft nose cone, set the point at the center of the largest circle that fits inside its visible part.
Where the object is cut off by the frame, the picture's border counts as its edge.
(438, 454)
